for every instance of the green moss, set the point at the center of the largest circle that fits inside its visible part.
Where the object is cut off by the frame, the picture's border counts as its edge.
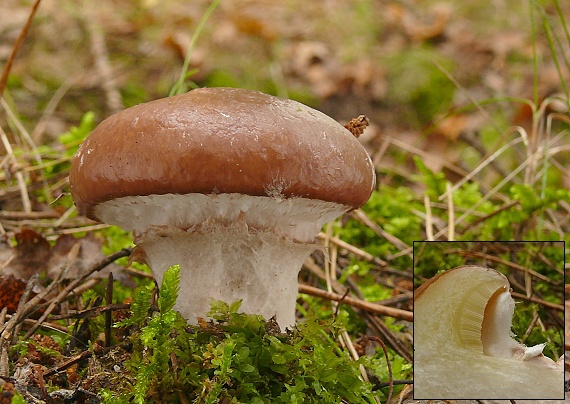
(239, 357)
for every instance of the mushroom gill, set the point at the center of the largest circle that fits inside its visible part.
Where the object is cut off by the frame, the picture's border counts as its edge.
(463, 343)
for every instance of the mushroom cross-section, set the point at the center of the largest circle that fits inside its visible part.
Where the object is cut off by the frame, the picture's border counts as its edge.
(233, 185)
(464, 347)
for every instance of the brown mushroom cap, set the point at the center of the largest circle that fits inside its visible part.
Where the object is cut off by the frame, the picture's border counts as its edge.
(221, 140)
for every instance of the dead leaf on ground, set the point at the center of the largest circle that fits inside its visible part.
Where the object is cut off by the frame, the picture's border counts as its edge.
(89, 254)
(27, 258)
(34, 255)
(420, 29)
(11, 291)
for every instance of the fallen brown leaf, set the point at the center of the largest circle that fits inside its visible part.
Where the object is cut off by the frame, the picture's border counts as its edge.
(11, 290)
(34, 255)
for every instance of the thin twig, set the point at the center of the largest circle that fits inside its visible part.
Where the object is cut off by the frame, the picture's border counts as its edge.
(358, 252)
(389, 336)
(490, 215)
(11, 193)
(4, 363)
(34, 149)
(451, 213)
(330, 276)
(32, 282)
(72, 361)
(504, 262)
(71, 256)
(482, 165)
(63, 294)
(537, 155)
(381, 385)
(312, 266)
(50, 108)
(109, 314)
(530, 328)
(545, 303)
(92, 312)
(468, 94)
(487, 196)
(142, 273)
(18, 215)
(19, 176)
(361, 304)
(475, 143)
(364, 219)
(429, 220)
(65, 216)
(28, 322)
(101, 56)
(16, 48)
(427, 156)
(390, 376)
(85, 228)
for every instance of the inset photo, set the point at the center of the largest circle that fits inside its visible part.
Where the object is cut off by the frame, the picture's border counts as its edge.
(489, 320)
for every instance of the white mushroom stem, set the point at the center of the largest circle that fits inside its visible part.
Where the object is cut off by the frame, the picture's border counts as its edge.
(496, 335)
(464, 347)
(228, 246)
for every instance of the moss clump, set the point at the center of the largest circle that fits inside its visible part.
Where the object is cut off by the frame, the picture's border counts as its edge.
(236, 358)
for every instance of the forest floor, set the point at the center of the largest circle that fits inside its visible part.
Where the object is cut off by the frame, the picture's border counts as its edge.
(448, 82)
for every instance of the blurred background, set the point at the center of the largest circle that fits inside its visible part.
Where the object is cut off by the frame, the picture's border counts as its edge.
(417, 69)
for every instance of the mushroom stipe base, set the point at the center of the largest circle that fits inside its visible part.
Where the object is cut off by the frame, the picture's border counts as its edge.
(230, 262)
(237, 247)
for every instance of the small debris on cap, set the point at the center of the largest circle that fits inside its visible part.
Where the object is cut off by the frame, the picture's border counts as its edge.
(356, 126)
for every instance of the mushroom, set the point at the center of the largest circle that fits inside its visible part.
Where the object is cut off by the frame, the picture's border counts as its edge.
(464, 347)
(233, 185)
